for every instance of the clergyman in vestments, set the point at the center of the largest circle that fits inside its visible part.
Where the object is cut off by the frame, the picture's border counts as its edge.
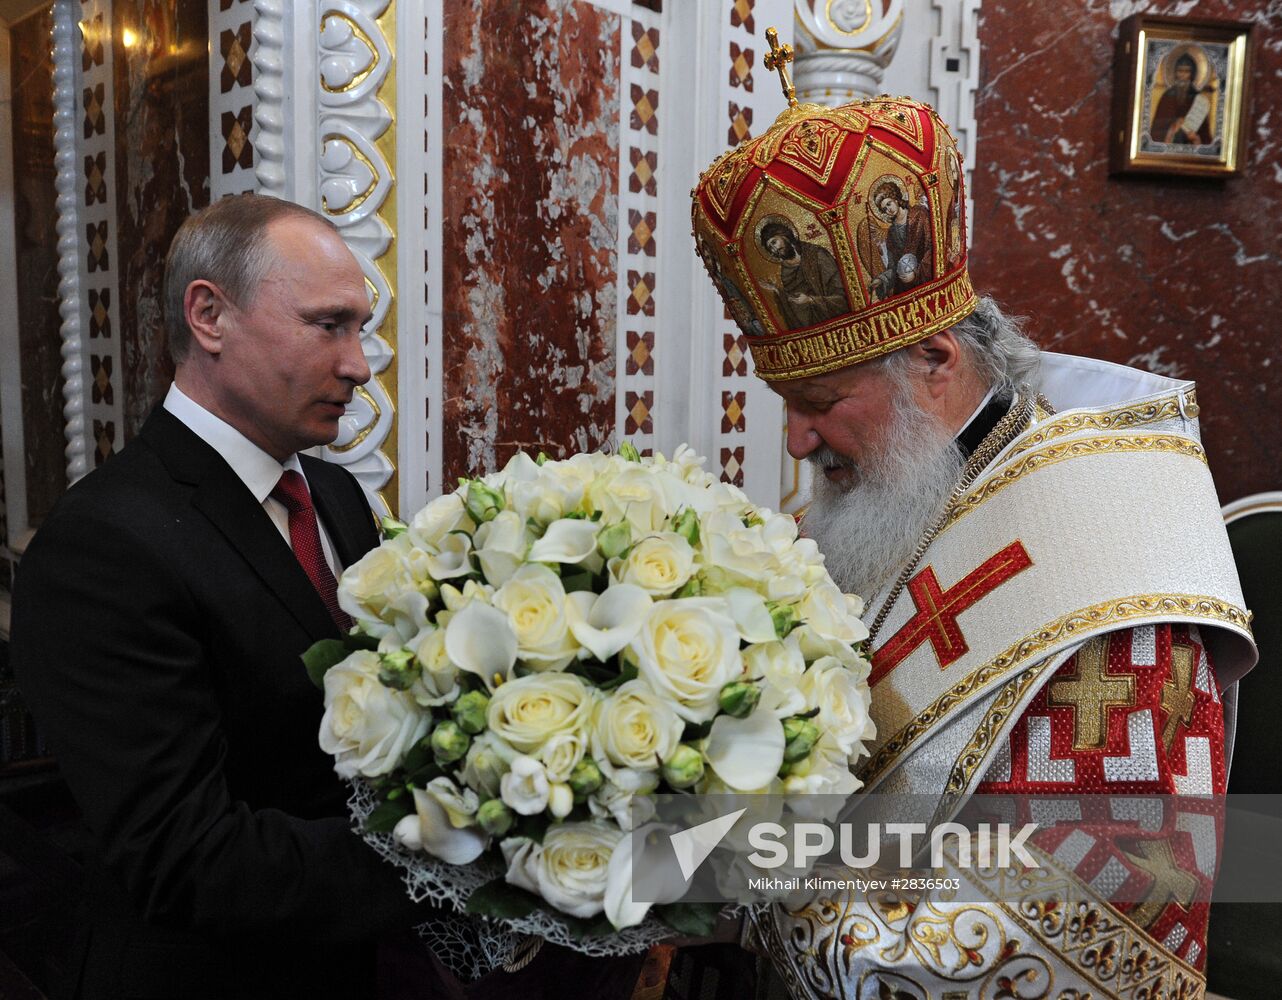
(1051, 595)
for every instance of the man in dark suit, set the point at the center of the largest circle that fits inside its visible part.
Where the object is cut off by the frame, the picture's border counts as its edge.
(158, 620)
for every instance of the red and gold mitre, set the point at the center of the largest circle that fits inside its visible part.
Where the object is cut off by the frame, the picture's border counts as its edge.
(838, 235)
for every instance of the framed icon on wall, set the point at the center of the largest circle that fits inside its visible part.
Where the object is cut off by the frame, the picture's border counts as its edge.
(1180, 89)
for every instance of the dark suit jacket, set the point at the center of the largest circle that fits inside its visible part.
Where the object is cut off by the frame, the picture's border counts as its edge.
(158, 620)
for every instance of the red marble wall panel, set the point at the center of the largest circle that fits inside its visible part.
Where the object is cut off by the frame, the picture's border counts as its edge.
(1179, 276)
(531, 162)
(36, 241)
(161, 82)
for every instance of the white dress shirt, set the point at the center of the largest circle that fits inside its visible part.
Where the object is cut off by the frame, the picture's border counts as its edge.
(254, 467)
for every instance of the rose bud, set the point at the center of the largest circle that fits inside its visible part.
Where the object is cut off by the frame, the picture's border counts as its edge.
(449, 743)
(739, 698)
(483, 503)
(800, 735)
(684, 768)
(398, 670)
(614, 540)
(686, 524)
(494, 817)
(585, 779)
(784, 616)
(469, 711)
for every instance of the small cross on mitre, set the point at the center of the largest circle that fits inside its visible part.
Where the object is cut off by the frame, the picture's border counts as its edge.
(777, 59)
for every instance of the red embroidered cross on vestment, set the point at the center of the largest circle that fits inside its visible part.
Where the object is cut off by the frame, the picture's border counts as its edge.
(937, 610)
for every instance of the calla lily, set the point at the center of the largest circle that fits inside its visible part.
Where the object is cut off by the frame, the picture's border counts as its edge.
(480, 640)
(452, 557)
(568, 540)
(613, 620)
(430, 830)
(746, 753)
(657, 860)
(750, 614)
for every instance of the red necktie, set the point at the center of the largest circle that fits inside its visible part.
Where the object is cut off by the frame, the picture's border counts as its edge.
(304, 537)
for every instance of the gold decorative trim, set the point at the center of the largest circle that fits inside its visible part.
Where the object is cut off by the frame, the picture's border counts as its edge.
(1108, 614)
(1056, 453)
(1121, 418)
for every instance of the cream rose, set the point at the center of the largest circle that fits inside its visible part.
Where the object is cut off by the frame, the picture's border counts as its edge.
(658, 564)
(634, 494)
(633, 727)
(534, 602)
(368, 587)
(367, 727)
(561, 753)
(687, 650)
(569, 869)
(842, 699)
(529, 711)
(444, 514)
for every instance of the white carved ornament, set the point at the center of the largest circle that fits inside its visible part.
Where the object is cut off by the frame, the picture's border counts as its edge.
(843, 47)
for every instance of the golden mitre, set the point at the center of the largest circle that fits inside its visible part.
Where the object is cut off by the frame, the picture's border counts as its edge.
(838, 235)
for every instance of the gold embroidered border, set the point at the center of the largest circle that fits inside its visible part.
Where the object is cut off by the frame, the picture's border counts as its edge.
(1115, 613)
(1056, 453)
(1097, 941)
(1121, 418)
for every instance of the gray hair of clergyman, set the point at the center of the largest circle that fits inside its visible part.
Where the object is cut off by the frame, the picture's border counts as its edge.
(994, 343)
(225, 244)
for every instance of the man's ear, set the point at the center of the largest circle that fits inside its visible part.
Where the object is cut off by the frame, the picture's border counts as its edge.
(204, 305)
(942, 354)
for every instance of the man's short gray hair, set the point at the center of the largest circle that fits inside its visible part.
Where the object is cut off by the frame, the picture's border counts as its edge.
(995, 344)
(225, 244)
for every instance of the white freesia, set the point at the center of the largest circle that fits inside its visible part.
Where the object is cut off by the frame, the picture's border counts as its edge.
(569, 540)
(524, 789)
(737, 549)
(842, 700)
(560, 800)
(824, 609)
(437, 683)
(687, 650)
(821, 783)
(455, 599)
(659, 564)
(500, 546)
(430, 829)
(367, 727)
(616, 798)
(561, 753)
(480, 640)
(542, 493)
(633, 727)
(815, 647)
(534, 601)
(750, 614)
(453, 556)
(746, 753)
(780, 666)
(529, 711)
(605, 624)
(488, 759)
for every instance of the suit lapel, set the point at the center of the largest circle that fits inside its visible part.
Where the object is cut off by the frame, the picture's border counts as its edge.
(221, 496)
(340, 516)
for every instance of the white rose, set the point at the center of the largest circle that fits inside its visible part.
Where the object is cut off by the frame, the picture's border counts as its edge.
(444, 514)
(524, 789)
(842, 699)
(372, 583)
(367, 727)
(437, 683)
(633, 727)
(658, 564)
(561, 753)
(529, 711)
(488, 759)
(573, 864)
(687, 650)
(430, 829)
(534, 601)
(500, 546)
(634, 495)
(825, 610)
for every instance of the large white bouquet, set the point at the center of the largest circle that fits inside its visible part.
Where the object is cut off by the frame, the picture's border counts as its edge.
(547, 646)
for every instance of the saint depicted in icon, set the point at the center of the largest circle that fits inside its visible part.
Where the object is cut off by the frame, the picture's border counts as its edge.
(731, 295)
(809, 289)
(894, 241)
(1182, 113)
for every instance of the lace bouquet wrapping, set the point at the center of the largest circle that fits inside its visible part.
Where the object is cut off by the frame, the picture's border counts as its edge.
(541, 650)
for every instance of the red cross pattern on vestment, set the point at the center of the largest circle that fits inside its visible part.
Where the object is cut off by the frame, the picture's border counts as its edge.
(937, 610)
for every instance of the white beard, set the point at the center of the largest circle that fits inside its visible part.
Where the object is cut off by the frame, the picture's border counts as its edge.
(868, 531)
